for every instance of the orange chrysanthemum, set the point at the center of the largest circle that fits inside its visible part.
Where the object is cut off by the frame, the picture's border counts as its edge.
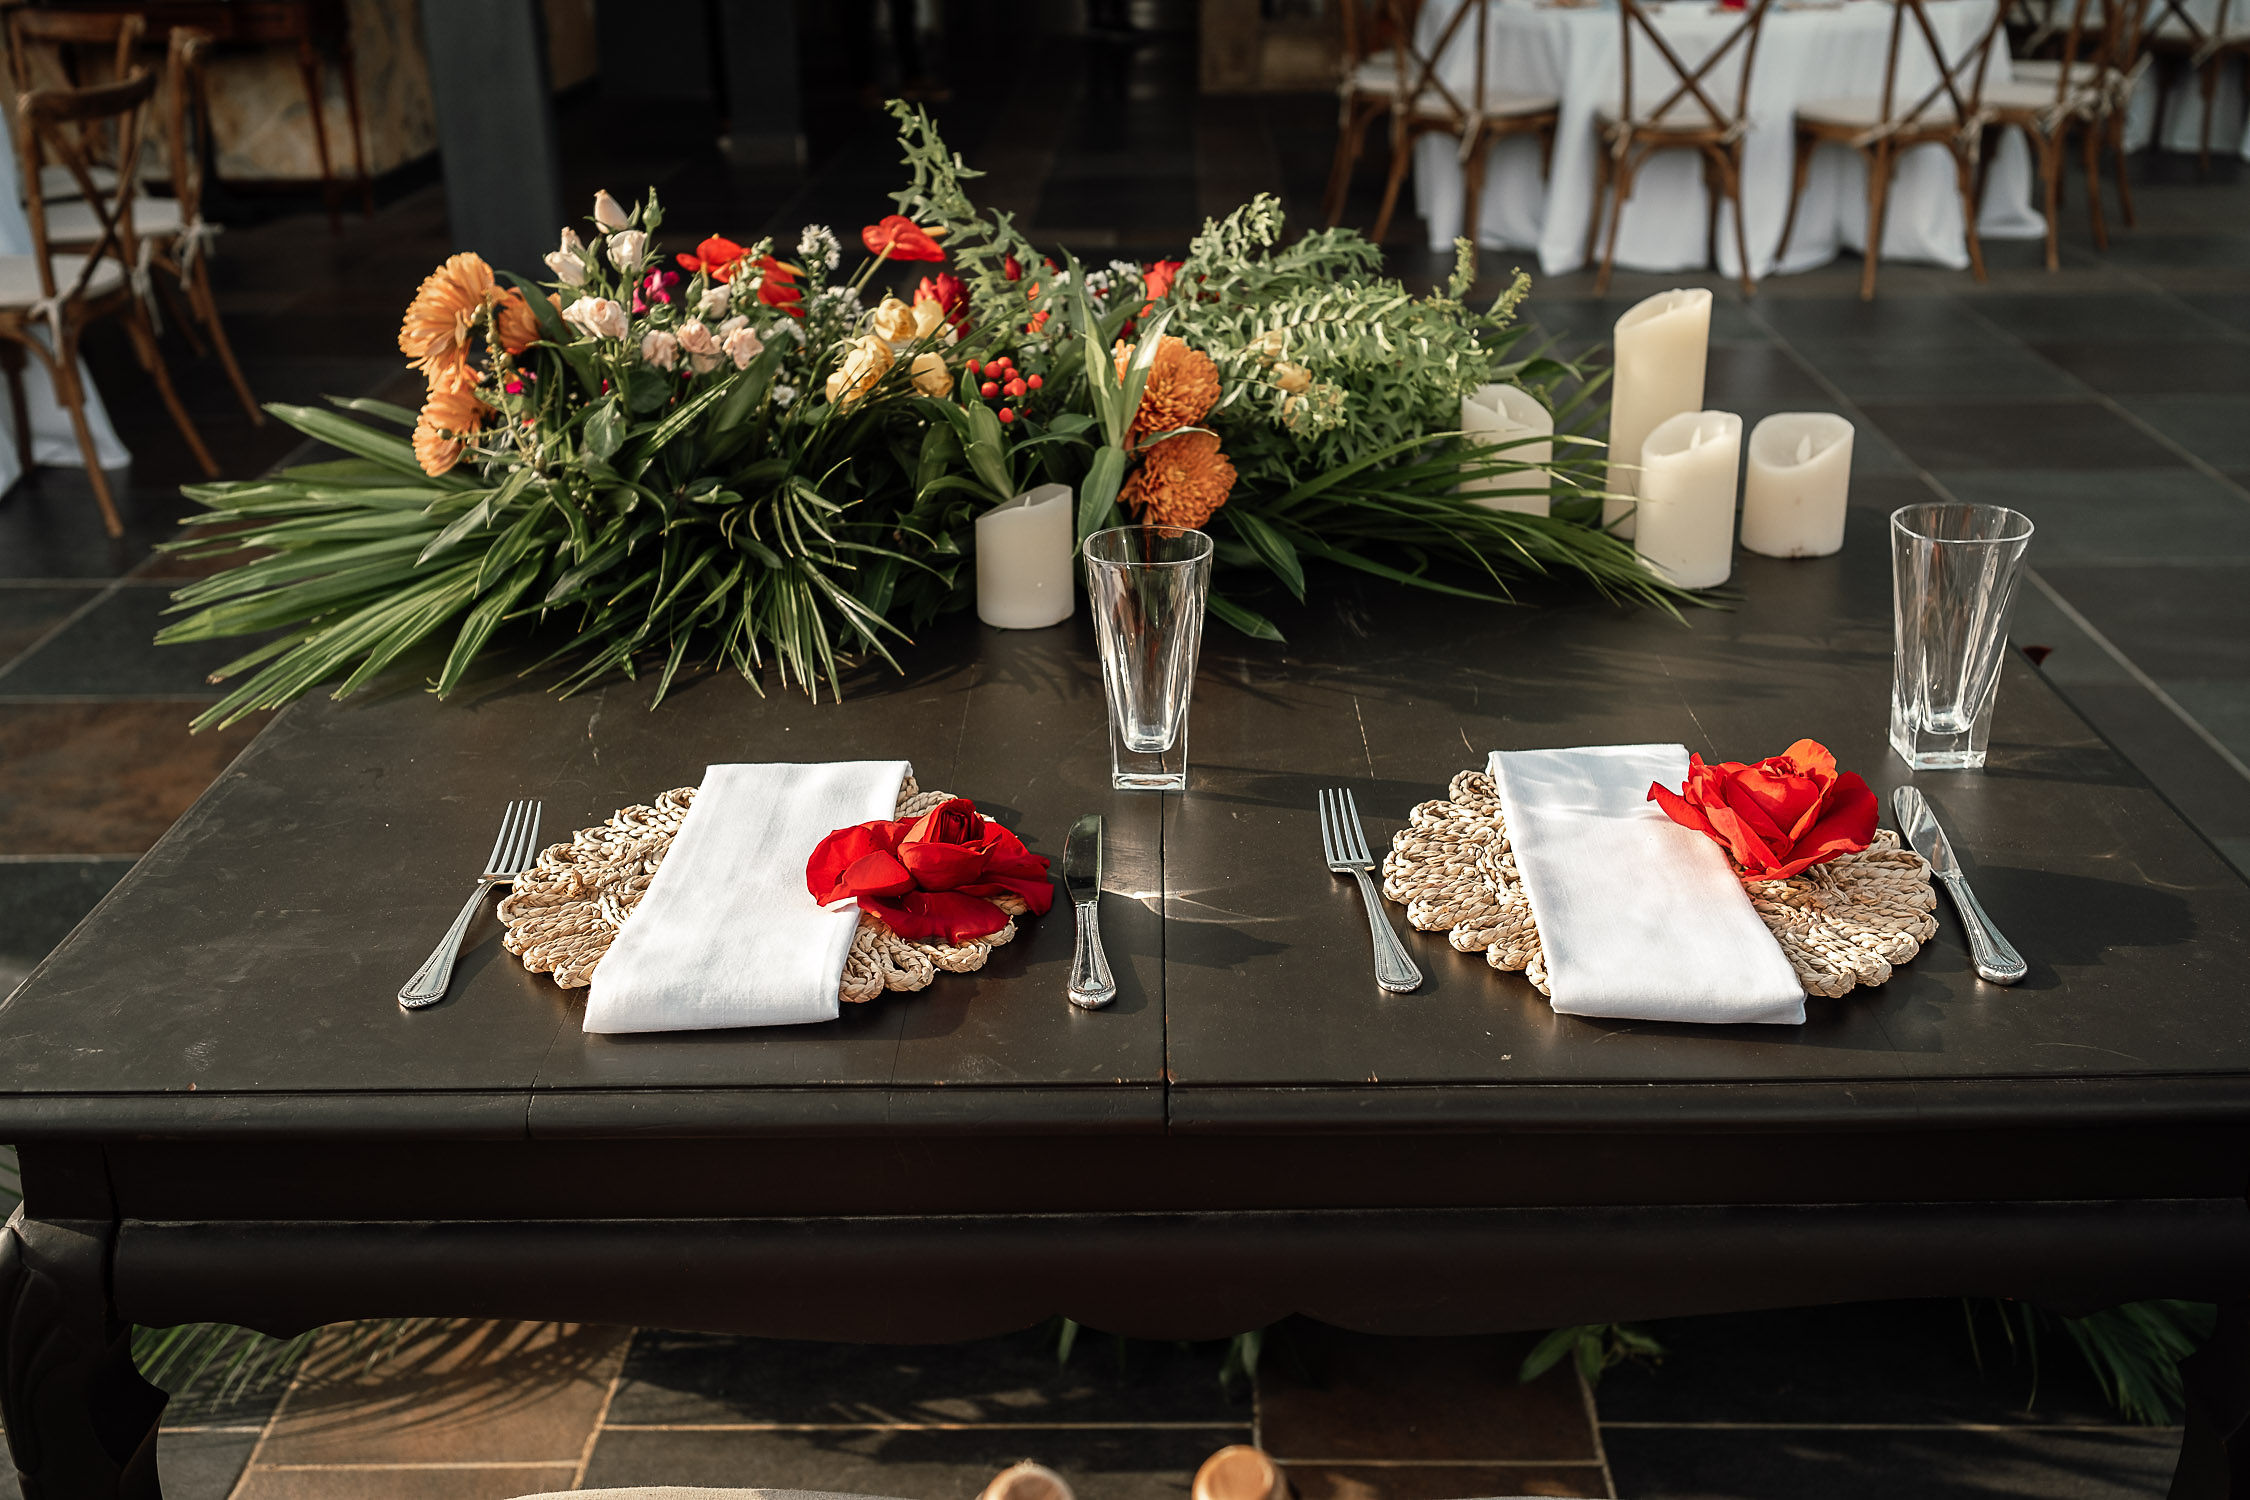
(1183, 385)
(435, 331)
(451, 414)
(1181, 481)
(513, 321)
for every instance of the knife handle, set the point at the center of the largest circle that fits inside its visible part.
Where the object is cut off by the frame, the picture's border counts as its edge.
(1996, 959)
(1091, 986)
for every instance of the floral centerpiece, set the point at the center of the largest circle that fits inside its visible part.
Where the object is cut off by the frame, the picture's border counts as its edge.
(729, 457)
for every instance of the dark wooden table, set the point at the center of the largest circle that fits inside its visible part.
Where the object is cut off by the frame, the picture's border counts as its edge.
(223, 1114)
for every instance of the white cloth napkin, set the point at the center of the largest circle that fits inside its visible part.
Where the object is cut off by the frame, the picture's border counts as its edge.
(1640, 918)
(727, 934)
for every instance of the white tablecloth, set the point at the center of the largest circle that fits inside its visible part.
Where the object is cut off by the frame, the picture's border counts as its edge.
(2183, 106)
(53, 440)
(1803, 55)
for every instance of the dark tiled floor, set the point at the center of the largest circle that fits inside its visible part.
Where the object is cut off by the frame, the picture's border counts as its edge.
(2107, 401)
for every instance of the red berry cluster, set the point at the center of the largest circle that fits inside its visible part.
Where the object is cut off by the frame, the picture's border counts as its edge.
(1000, 380)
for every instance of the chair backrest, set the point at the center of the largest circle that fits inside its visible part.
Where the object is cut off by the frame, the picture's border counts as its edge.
(187, 118)
(66, 35)
(1371, 26)
(1960, 80)
(51, 125)
(1685, 91)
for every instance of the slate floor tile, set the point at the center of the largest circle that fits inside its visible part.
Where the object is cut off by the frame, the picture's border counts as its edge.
(1116, 1464)
(26, 614)
(2016, 435)
(2230, 308)
(1702, 1465)
(202, 1465)
(40, 901)
(1869, 371)
(684, 1377)
(103, 778)
(2118, 368)
(110, 650)
(2174, 622)
(2114, 515)
(2144, 317)
(1910, 321)
(503, 1393)
(2215, 428)
(2221, 706)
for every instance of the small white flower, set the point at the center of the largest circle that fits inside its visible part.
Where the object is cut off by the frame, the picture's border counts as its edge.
(597, 317)
(697, 339)
(715, 301)
(627, 248)
(608, 212)
(818, 246)
(742, 346)
(784, 394)
(568, 268)
(660, 349)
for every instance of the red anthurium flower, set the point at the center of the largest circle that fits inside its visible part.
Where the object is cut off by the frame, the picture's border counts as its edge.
(896, 237)
(1012, 268)
(718, 255)
(1776, 818)
(949, 292)
(1156, 280)
(778, 287)
(932, 878)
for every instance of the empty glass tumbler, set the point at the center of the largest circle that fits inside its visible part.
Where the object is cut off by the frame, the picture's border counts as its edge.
(1146, 586)
(1954, 570)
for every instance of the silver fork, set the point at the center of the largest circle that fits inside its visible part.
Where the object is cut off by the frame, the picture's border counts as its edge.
(1345, 844)
(512, 854)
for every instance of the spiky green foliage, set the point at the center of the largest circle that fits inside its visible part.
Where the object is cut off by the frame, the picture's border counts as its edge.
(1593, 1347)
(2133, 1350)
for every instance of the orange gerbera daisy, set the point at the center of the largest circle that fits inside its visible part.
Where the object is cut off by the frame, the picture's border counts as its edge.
(1183, 385)
(451, 414)
(1181, 481)
(513, 321)
(435, 331)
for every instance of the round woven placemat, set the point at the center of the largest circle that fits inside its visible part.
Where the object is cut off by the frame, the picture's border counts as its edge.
(1844, 923)
(564, 912)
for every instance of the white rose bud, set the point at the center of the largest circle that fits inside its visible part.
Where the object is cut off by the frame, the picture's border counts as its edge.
(626, 249)
(568, 268)
(893, 320)
(597, 317)
(697, 339)
(743, 346)
(715, 301)
(660, 349)
(607, 211)
(929, 316)
(726, 329)
(929, 374)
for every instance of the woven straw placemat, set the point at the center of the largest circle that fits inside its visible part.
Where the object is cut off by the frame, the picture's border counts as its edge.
(1844, 923)
(564, 912)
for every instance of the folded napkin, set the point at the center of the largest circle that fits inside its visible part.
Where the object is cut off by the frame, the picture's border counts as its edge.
(1639, 918)
(727, 934)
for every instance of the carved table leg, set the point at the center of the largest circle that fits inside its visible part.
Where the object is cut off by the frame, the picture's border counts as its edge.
(81, 1420)
(2215, 1449)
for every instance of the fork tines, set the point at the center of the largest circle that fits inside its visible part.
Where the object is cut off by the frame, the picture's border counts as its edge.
(518, 843)
(1341, 837)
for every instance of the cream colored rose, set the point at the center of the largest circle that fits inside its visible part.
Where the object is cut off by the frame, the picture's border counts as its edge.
(929, 374)
(597, 317)
(742, 346)
(866, 360)
(716, 301)
(929, 316)
(660, 349)
(608, 212)
(627, 249)
(697, 339)
(893, 321)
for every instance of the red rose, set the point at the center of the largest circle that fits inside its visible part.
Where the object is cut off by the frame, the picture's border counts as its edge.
(930, 879)
(949, 292)
(718, 255)
(896, 237)
(1776, 818)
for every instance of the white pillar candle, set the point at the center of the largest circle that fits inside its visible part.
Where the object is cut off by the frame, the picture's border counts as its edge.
(1799, 480)
(1024, 552)
(1660, 346)
(1506, 414)
(1686, 513)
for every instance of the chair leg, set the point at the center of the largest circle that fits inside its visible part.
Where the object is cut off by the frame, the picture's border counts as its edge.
(1472, 184)
(1604, 171)
(1802, 173)
(1620, 190)
(308, 64)
(11, 361)
(1878, 194)
(71, 394)
(2116, 126)
(184, 315)
(2050, 179)
(1714, 203)
(152, 360)
(2210, 71)
(207, 309)
(1351, 131)
(1741, 233)
(1402, 158)
(2090, 151)
(1965, 174)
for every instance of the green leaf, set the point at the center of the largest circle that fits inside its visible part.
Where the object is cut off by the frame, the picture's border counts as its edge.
(397, 416)
(1097, 496)
(605, 430)
(395, 454)
(1273, 549)
(1250, 623)
(987, 451)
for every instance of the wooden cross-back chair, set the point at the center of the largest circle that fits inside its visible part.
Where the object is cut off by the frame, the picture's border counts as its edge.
(1686, 118)
(1387, 72)
(1950, 113)
(172, 241)
(47, 299)
(2048, 105)
(67, 36)
(2175, 33)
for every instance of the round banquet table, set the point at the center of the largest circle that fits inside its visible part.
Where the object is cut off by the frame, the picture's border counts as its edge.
(1807, 52)
(52, 439)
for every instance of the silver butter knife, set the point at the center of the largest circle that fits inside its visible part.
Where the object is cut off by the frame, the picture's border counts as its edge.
(1996, 960)
(1091, 986)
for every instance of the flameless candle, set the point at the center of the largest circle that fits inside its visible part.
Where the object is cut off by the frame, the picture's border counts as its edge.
(1660, 346)
(1800, 478)
(1507, 414)
(1686, 516)
(1024, 551)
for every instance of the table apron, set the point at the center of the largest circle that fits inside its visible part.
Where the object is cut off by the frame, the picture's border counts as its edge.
(1194, 1275)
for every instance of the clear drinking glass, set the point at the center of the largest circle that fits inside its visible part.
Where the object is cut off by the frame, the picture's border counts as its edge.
(1953, 580)
(1146, 585)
